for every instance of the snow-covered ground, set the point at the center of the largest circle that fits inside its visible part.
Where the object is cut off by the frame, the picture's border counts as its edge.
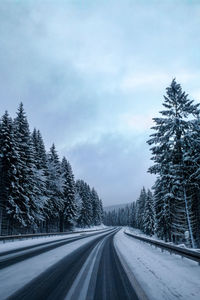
(9, 245)
(160, 275)
(16, 276)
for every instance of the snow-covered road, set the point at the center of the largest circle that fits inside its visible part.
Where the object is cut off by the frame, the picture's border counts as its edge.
(35, 260)
(104, 265)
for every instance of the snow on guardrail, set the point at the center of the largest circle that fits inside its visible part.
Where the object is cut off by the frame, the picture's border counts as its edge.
(190, 254)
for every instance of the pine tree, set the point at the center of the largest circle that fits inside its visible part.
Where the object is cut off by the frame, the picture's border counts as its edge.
(132, 216)
(85, 218)
(41, 173)
(169, 155)
(78, 202)
(10, 207)
(140, 209)
(35, 146)
(29, 191)
(191, 170)
(55, 186)
(149, 214)
(163, 204)
(101, 210)
(68, 214)
(96, 208)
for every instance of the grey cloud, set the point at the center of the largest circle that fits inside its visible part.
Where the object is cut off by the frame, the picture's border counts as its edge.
(67, 60)
(115, 165)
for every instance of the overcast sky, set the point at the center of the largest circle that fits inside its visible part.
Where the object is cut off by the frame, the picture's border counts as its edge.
(92, 74)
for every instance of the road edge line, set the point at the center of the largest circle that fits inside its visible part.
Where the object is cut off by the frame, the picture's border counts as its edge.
(133, 280)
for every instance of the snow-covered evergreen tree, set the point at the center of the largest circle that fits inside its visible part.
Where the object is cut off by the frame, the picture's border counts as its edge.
(96, 208)
(132, 215)
(140, 204)
(191, 170)
(30, 194)
(85, 218)
(55, 185)
(40, 152)
(169, 149)
(41, 172)
(149, 214)
(163, 209)
(68, 214)
(11, 208)
(78, 202)
(101, 210)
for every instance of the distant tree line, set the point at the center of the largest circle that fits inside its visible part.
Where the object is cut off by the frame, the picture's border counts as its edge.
(38, 192)
(139, 214)
(120, 217)
(173, 211)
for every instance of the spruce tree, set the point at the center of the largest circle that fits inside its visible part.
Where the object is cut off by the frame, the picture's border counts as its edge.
(96, 208)
(68, 214)
(191, 170)
(78, 202)
(132, 216)
(41, 174)
(85, 218)
(55, 185)
(11, 208)
(29, 191)
(163, 204)
(168, 151)
(140, 209)
(101, 210)
(149, 214)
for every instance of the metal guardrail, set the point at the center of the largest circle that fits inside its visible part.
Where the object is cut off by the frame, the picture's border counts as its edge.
(37, 235)
(170, 248)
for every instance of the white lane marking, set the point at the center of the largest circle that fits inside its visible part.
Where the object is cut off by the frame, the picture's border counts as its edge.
(79, 288)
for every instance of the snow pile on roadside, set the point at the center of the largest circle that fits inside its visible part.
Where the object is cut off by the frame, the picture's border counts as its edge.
(161, 275)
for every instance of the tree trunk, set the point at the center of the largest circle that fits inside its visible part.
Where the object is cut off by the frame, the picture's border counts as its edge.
(188, 218)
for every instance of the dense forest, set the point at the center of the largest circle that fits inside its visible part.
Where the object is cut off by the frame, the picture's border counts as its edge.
(172, 212)
(38, 192)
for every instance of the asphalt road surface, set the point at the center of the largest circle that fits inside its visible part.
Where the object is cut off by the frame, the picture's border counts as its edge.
(92, 271)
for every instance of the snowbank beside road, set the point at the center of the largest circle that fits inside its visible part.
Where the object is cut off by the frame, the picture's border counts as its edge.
(160, 275)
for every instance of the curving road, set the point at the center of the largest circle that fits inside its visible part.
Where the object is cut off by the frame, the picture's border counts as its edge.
(11, 257)
(92, 271)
